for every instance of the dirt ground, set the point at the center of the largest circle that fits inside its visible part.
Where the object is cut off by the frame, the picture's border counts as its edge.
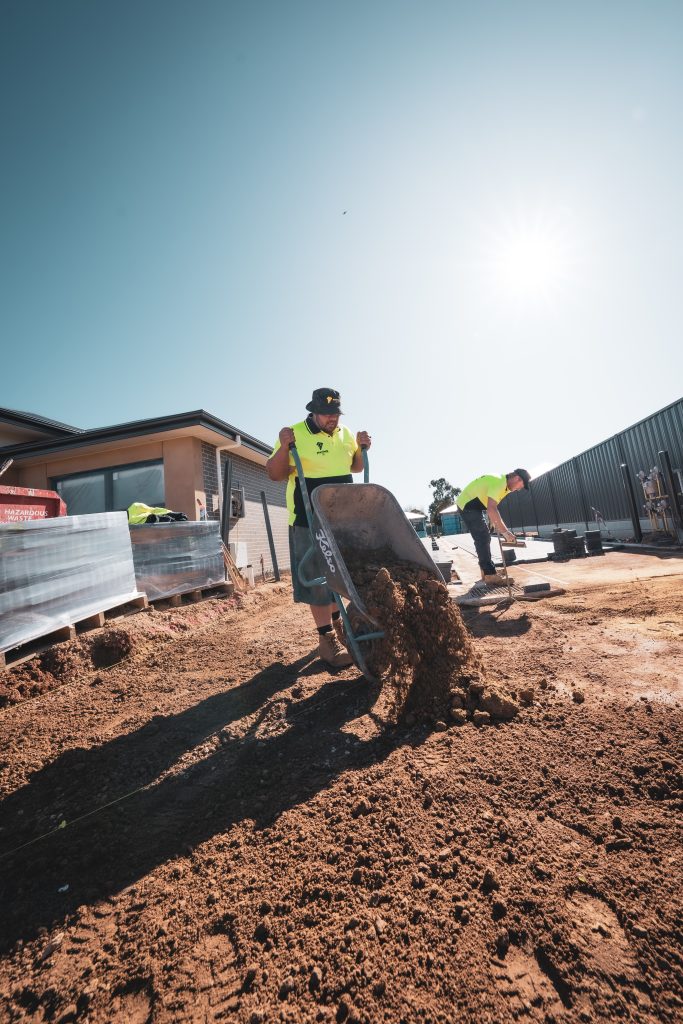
(198, 822)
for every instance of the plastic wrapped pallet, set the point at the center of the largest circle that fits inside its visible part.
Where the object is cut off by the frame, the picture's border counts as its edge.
(55, 572)
(173, 558)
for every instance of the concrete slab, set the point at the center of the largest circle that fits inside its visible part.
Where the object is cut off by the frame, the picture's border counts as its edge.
(535, 550)
(612, 567)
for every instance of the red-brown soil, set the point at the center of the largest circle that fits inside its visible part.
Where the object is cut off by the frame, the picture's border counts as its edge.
(215, 828)
(426, 658)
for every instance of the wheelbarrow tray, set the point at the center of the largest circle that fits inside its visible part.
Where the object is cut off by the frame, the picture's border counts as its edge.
(365, 517)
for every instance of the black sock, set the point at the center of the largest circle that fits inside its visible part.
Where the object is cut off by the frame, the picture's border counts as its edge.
(324, 629)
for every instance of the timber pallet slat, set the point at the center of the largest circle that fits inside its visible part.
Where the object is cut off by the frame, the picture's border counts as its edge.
(13, 656)
(196, 594)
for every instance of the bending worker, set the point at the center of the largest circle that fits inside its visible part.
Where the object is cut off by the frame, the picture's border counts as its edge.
(329, 454)
(482, 496)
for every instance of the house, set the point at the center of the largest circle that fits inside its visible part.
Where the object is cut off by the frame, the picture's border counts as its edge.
(418, 521)
(451, 520)
(176, 461)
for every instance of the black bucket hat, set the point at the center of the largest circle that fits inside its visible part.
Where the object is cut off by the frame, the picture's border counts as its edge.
(524, 475)
(325, 402)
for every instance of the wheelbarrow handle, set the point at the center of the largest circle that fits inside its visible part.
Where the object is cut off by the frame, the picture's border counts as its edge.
(366, 464)
(302, 486)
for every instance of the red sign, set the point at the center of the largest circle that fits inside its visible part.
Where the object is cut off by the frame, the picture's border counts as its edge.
(19, 504)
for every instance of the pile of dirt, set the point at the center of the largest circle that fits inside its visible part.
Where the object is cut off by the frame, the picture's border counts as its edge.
(427, 655)
(61, 664)
(221, 829)
(110, 647)
(65, 663)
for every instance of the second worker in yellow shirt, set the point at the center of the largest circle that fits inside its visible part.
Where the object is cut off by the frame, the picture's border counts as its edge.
(483, 496)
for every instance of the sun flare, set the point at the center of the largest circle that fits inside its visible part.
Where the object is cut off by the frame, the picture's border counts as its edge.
(531, 260)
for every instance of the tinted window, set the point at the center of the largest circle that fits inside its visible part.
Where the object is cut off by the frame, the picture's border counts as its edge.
(83, 494)
(112, 490)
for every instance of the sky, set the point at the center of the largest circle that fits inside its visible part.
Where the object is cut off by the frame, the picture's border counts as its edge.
(467, 218)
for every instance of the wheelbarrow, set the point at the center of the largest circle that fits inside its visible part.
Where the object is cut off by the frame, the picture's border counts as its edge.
(365, 517)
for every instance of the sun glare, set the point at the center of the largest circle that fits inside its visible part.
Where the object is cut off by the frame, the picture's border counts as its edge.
(531, 260)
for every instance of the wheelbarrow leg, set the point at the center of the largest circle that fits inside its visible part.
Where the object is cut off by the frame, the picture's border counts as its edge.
(355, 641)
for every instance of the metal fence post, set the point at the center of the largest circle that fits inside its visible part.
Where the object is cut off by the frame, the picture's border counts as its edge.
(665, 462)
(631, 499)
(271, 542)
(226, 508)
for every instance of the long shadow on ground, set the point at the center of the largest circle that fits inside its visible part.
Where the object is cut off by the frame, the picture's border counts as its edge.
(105, 851)
(491, 622)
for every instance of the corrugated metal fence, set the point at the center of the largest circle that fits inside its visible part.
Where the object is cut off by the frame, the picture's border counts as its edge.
(592, 483)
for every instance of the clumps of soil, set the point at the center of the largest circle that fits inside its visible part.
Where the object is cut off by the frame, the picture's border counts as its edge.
(427, 655)
(110, 647)
(56, 666)
(64, 663)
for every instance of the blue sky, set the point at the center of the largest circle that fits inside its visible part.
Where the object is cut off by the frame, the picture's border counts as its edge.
(503, 288)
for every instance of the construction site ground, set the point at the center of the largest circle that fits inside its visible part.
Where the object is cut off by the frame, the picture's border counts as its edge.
(199, 822)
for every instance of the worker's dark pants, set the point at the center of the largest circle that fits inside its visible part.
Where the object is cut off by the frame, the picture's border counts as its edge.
(478, 527)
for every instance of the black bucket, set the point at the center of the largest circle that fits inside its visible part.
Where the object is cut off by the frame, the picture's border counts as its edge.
(445, 570)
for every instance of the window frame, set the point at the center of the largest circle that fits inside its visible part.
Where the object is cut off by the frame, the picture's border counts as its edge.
(108, 472)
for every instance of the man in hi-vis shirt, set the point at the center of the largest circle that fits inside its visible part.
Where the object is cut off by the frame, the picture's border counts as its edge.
(482, 496)
(329, 454)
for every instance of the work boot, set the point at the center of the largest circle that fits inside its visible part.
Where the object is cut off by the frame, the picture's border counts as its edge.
(497, 580)
(339, 630)
(332, 651)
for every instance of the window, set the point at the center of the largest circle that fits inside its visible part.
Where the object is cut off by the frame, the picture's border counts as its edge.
(112, 490)
(85, 492)
(138, 483)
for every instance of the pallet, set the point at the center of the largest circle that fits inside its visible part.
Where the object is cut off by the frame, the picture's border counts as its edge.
(13, 656)
(480, 595)
(196, 594)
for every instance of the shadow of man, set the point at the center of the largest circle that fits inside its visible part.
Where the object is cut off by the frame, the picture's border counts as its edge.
(489, 622)
(107, 848)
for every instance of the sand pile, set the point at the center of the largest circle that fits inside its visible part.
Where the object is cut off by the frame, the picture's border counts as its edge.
(427, 656)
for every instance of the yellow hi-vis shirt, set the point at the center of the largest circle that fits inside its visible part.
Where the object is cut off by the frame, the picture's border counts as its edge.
(483, 488)
(325, 459)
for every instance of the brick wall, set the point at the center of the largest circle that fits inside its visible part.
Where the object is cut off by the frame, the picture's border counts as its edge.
(251, 529)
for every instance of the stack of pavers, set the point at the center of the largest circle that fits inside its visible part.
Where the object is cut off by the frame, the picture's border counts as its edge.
(57, 572)
(176, 558)
(567, 545)
(593, 539)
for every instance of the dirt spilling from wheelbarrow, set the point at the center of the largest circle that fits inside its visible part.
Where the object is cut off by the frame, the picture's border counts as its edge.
(427, 655)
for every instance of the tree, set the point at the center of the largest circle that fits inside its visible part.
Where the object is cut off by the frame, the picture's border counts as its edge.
(444, 495)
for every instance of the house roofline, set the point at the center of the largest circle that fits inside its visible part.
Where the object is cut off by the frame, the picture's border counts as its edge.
(136, 428)
(30, 419)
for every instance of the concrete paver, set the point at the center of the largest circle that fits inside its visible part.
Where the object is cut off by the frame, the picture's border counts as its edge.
(612, 567)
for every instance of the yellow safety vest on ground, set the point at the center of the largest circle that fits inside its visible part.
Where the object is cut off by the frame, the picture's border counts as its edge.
(138, 512)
